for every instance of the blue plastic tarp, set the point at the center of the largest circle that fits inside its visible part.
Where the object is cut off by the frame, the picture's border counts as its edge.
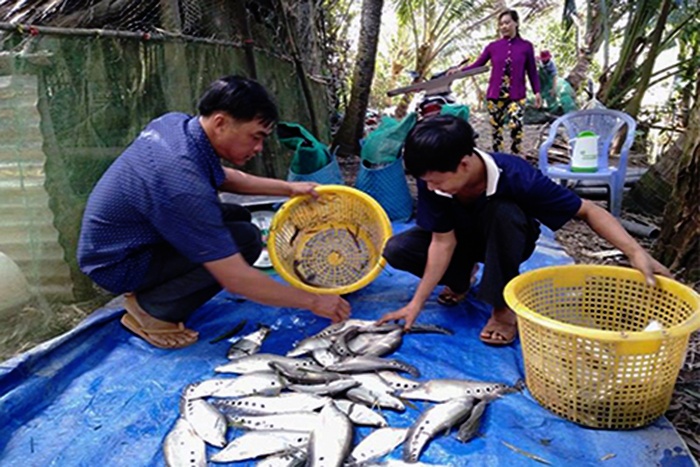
(100, 396)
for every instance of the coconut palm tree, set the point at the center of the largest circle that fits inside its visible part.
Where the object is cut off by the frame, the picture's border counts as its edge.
(348, 136)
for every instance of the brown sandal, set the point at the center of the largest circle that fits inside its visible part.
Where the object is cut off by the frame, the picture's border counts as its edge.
(449, 298)
(507, 331)
(130, 323)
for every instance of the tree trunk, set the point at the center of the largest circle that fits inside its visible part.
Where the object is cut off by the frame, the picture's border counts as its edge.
(592, 41)
(678, 246)
(350, 132)
(635, 103)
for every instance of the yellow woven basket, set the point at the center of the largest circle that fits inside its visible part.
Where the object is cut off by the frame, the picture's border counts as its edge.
(332, 244)
(587, 355)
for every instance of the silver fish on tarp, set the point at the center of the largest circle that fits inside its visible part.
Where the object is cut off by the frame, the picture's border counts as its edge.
(325, 357)
(340, 341)
(304, 376)
(360, 414)
(470, 427)
(375, 399)
(261, 362)
(439, 418)
(209, 424)
(183, 448)
(377, 345)
(377, 444)
(331, 439)
(291, 458)
(254, 444)
(398, 382)
(264, 405)
(248, 344)
(327, 389)
(367, 364)
(293, 421)
(441, 390)
(310, 344)
(258, 382)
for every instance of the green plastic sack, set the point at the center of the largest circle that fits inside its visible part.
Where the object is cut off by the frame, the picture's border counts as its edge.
(310, 155)
(567, 96)
(458, 110)
(383, 145)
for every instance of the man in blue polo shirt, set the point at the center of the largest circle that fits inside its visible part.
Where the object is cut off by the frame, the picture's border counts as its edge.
(480, 207)
(155, 230)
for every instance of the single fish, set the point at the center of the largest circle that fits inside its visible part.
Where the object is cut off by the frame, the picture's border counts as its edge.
(470, 427)
(437, 419)
(206, 421)
(228, 334)
(360, 414)
(259, 382)
(377, 444)
(304, 376)
(261, 405)
(293, 421)
(310, 344)
(291, 458)
(367, 364)
(327, 389)
(397, 381)
(340, 344)
(183, 448)
(261, 362)
(418, 328)
(331, 439)
(325, 357)
(373, 382)
(383, 344)
(249, 344)
(441, 390)
(255, 444)
(375, 399)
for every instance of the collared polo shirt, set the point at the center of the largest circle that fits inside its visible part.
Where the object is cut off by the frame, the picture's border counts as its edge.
(161, 189)
(507, 177)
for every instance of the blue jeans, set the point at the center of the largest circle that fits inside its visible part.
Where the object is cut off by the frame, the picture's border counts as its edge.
(503, 237)
(174, 287)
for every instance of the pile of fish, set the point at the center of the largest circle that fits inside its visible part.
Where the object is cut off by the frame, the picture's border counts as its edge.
(301, 408)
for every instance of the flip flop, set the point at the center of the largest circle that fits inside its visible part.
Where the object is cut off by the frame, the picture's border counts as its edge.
(130, 323)
(449, 298)
(506, 330)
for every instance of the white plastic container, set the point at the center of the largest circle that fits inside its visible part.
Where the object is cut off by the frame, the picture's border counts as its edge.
(584, 156)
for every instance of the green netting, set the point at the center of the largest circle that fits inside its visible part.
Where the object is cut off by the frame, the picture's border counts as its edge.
(69, 104)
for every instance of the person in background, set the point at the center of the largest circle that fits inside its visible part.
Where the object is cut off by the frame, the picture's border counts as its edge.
(479, 207)
(155, 230)
(547, 72)
(511, 58)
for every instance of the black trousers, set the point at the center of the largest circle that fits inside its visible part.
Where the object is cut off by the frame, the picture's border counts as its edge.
(502, 238)
(174, 287)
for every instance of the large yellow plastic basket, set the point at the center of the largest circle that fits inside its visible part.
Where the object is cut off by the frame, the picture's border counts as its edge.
(329, 245)
(587, 355)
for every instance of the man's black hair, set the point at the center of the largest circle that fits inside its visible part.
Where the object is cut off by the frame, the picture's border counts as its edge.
(438, 144)
(241, 98)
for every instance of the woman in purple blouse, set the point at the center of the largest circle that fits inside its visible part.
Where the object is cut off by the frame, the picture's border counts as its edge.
(511, 57)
